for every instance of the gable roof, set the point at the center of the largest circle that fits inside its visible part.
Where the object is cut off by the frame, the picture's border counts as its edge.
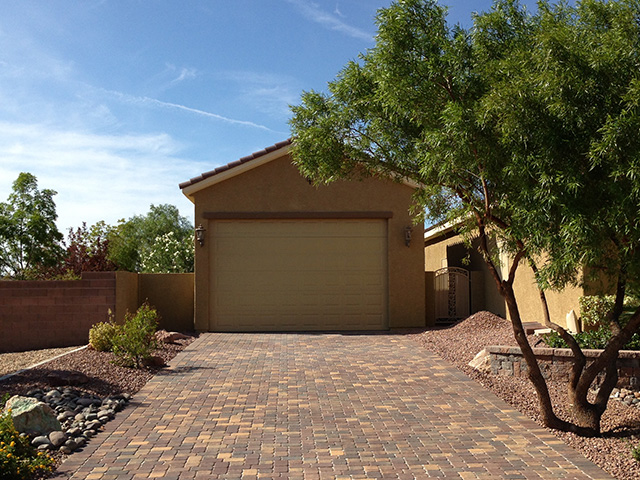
(232, 169)
(244, 164)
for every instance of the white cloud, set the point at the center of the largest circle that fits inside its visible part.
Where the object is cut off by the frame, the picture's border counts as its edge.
(313, 12)
(97, 177)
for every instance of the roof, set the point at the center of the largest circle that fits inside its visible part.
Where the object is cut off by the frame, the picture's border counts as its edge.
(217, 175)
(206, 179)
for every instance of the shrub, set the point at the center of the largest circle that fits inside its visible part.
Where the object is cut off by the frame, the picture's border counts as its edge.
(635, 452)
(102, 334)
(18, 459)
(594, 308)
(593, 339)
(135, 340)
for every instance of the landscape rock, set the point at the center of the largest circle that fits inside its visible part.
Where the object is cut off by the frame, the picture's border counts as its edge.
(32, 416)
(58, 379)
(482, 361)
(58, 438)
(169, 337)
(40, 440)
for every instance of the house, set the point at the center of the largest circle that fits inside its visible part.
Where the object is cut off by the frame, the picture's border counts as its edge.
(451, 267)
(280, 254)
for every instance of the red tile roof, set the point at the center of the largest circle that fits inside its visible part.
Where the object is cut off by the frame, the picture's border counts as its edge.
(236, 163)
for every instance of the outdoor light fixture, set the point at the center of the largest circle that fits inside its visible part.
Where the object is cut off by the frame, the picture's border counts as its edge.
(200, 234)
(407, 236)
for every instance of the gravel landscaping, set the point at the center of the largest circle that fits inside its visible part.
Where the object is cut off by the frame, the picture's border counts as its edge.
(620, 424)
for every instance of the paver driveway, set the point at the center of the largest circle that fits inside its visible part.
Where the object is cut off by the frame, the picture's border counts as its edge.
(316, 406)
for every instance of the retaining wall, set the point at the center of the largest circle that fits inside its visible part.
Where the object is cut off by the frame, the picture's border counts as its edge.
(556, 363)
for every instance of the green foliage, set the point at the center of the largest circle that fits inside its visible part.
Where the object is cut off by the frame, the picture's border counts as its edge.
(102, 334)
(133, 240)
(596, 339)
(168, 254)
(18, 459)
(635, 453)
(594, 308)
(29, 238)
(135, 340)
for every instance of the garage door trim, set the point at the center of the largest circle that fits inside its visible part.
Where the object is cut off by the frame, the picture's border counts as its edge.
(296, 215)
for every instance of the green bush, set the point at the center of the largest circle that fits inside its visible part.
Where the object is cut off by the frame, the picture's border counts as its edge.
(18, 459)
(635, 452)
(594, 308)
(135, 340)
(593, 339)
(102, 334)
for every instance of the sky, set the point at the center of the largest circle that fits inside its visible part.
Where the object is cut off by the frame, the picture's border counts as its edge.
(113, 103)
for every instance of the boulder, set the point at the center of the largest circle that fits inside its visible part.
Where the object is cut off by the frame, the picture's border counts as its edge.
(169, 337)
(31, 416)
(58, 438)
(482, 361)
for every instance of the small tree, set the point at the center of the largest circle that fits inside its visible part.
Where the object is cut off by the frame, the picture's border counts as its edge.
(87, 250)
(425, 103)
(29, 238)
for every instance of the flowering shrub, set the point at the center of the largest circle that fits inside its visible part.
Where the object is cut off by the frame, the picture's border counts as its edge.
(135, 341)
(169, 254)
(18, 459)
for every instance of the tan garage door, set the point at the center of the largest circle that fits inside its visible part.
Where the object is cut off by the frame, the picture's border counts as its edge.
(298, 275)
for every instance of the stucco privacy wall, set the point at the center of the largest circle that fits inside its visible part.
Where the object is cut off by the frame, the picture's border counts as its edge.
(46, 314)
(277, 186)
(560, 302)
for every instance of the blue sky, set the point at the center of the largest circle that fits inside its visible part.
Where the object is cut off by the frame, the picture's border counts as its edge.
(112, 103)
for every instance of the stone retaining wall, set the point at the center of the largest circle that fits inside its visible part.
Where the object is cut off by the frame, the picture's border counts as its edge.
(556, 363)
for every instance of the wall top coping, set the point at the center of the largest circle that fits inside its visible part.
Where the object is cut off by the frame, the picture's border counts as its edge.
(555, 352)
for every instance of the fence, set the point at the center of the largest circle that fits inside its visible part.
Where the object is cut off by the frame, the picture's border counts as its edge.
(46, 314)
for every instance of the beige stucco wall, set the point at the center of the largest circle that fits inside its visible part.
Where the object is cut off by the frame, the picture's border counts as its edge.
(484, 293)
(526, 291)
(172, 296)
(277, 186)
(126, 294)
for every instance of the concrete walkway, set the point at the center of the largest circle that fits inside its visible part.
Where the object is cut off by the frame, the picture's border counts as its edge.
(320, 406)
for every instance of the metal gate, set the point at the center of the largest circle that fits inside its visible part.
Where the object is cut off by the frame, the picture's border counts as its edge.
(452, 293)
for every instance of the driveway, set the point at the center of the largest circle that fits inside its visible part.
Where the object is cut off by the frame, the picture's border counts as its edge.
(320, 406)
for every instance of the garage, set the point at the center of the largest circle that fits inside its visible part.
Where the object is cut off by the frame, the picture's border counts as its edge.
(299, 275)
(276, 253)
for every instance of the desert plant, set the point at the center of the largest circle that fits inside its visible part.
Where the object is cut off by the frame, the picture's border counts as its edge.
(135, 340)
(102, 334)
(18, 459)
(635, 453)
(596, 339)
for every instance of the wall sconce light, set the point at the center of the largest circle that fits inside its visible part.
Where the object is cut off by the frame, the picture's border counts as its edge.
(200, 234)
(407, 236)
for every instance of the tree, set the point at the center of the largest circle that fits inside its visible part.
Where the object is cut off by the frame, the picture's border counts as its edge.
(427, 103)
(132, 240)
(29, 238)
(87, 250)
(565, 105)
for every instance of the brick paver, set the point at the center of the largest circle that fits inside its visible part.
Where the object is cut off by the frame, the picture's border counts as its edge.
(320, 406)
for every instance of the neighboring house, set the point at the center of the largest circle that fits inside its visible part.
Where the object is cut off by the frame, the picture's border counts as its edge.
(448, 262)
(280, 254)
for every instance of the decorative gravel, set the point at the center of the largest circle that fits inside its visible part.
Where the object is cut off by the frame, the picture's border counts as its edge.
(620, 423)
(12, 362)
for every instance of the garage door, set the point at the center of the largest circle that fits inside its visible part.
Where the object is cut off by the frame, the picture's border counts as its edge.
(298, 275)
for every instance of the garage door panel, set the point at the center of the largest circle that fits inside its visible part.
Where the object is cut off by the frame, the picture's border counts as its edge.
(299, 275)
